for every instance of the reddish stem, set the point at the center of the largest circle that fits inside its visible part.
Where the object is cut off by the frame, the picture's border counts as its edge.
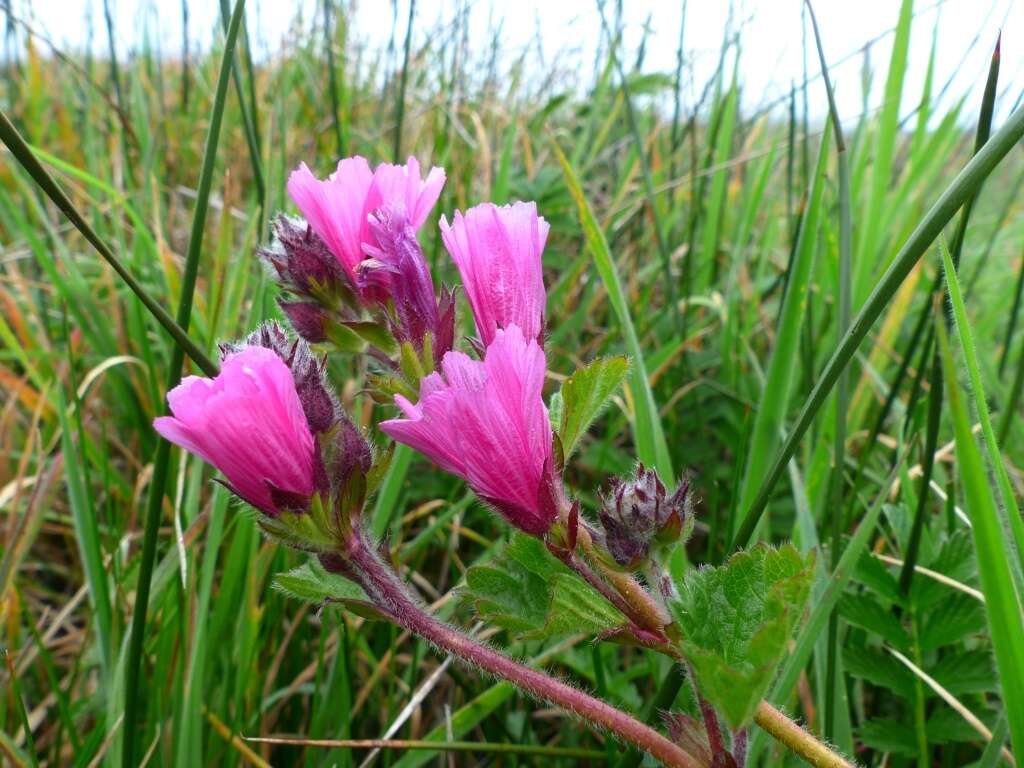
(739, 747)
(718, 752)
(390, 594)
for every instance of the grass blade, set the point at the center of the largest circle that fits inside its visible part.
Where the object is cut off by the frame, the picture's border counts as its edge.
(968, 181)
(1002, 603)
(823, 604)
(403, 82)
(88, 537)
(161, 463)
(935, 388)
(783, 364)
(995, 457)
(651, 447)
(868, 251)
(21, 151)
(248, 123)
(842, 386)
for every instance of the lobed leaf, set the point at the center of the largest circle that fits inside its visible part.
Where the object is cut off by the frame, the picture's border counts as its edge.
(737, 620)
(530, 593)
(313, 583)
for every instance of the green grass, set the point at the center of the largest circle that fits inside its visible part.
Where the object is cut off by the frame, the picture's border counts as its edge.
(710, 245)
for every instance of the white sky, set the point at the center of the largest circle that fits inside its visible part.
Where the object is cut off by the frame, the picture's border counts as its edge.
(771, 59)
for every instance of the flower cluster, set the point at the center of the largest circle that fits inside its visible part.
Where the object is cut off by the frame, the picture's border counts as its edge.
(354, 279)
(356, 253)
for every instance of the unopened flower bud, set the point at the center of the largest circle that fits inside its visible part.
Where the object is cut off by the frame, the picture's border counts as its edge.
(303, 262)
(395, 275)
(639, 515)
(309, 320)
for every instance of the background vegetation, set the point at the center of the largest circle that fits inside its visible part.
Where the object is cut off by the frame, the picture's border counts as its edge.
(725, 231)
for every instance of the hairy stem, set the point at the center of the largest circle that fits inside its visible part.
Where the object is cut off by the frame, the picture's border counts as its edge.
(648, 614)
(390, 594)
(739, 747)
(609, 594)
(796, 739)
(712, 728)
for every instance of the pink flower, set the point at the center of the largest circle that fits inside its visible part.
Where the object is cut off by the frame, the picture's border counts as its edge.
(498, 253)
(338, 208)
(249, 423)
(486, 422)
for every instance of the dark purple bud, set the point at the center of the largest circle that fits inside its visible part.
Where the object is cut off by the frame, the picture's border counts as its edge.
(350, 452)
(626, 549)
(302, 260)
(270, 335)
(638, 514)
(317, 403)
(306, 318)
(444, 339)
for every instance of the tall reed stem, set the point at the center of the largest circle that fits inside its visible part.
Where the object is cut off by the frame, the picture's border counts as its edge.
(389, 593)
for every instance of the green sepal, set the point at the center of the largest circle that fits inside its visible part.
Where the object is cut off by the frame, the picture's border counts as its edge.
(344, 338)
(427, 353)
(409, 363)
(375, 334)
(314, 530)
(383, 387)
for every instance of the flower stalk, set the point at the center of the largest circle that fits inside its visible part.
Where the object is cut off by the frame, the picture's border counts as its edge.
(645, 608)
(796, 739)
(390, 594)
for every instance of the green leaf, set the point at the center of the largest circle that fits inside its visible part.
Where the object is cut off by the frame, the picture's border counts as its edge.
(947, 726)
(866, 612)
(651, 445)
(736, 622)
(584, 396)
(881, 669)
(875, 575)
(312, 583)
(528, 592)
(952, 620)
(576, 607)
(966, 672)
(888, 736)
